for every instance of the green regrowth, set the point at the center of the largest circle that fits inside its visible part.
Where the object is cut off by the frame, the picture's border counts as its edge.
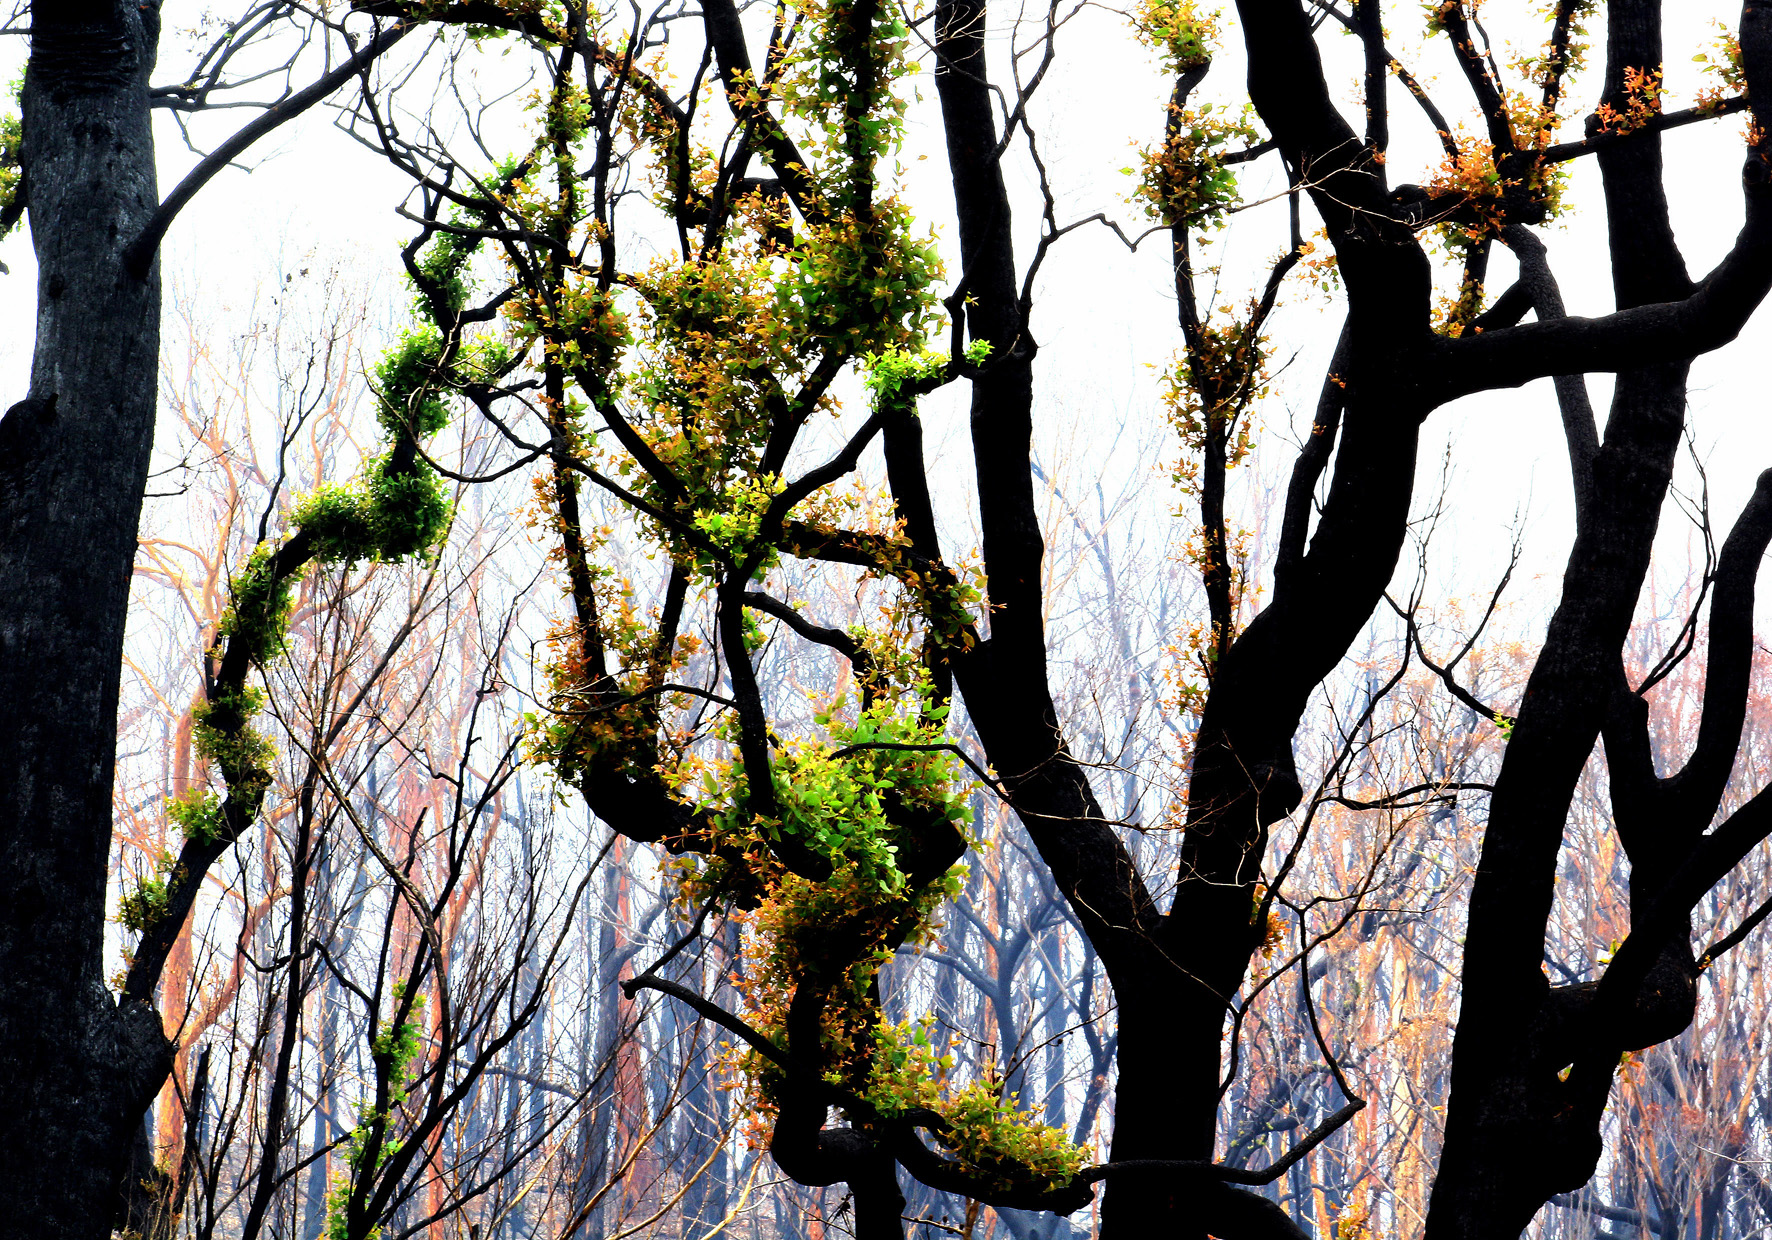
(336, 518)
(441, 265)
(145, 905)
(11, 154)
(197, 814)
(1178, 29)
(891, 369)
(410, 509)
(11, 135)
(862, 288)
(842, 805)
(395, 1045)
(387, 514)
(259, 611)
(709, 349)
(1186, 179)
(219, 734)
(736, 527)
(868, 799)
(409, 386)
(987, 1132)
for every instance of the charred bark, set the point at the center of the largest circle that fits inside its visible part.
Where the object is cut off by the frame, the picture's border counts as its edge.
(76, 1070)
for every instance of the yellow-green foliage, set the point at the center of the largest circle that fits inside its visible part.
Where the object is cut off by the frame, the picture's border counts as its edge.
(735, 527)
(396, 1048)
(1180, 29)
(711, 355)
(11, 153)
(807, 933)
(144, 906)
(889, 371)
(838, 807)
(391, 512)
(259, 610)
(146, 903)
(220, 734)
(1184, 180)
(408, 510)
(197, 814)
(10, 137)
(987, 1132)
(863, 288)
(1210, 388)
(711, 345)
(397, 1044)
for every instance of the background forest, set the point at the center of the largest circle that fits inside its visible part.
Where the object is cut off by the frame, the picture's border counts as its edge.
(605, 748)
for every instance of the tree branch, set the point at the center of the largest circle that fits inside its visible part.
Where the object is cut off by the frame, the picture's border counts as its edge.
(139, 257)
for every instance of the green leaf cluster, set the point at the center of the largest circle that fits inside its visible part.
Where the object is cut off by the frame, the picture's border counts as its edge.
(409, 510)
(1003, 1143)
(889, 371)
(397, 1043)
(865, 289)
(386, 514)
(11, 136)
(837, 84)
(409, 386)
(1180, 29)
(147, 902)
(220, 734)
(144, 906)
(396, 1047)
(843, 805)
(259, 611)
(442, 265)
(1185, 180)
(736, 527)
(987, 1132)
(197, 814)
(716, 354)
(11, 149)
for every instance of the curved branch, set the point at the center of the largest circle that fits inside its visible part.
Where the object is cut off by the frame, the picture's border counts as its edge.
(140, 254)
(1700, 783)
(1572, 399)
(755, 1039)
(1712, 315)
(1234, 1175)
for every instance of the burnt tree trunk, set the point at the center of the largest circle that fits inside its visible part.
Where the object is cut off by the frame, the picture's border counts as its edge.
(1521, 1126)
(76, 1071)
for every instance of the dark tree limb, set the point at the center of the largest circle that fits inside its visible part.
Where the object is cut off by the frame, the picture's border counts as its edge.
(142, 250)
(1577, 410)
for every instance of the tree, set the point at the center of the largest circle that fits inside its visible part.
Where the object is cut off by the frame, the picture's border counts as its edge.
(80, 1067)
(691, 416)
(831, 841)
(357, 993)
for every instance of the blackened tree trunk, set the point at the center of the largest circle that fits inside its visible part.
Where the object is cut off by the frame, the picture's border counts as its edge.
(76, 1071)
(1526, 1102)
(1523, 1126)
